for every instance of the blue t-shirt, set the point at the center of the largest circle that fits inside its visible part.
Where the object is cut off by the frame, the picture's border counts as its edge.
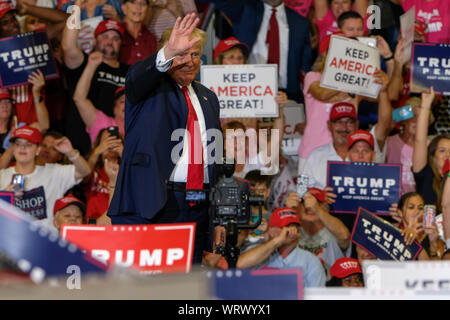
(117, 4)
(313, 273)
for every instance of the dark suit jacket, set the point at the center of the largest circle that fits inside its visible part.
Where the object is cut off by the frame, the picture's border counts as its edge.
(155, 106)
(246, 17)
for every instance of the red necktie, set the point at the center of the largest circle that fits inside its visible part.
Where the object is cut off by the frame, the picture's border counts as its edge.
(273, 39)
(195, 166)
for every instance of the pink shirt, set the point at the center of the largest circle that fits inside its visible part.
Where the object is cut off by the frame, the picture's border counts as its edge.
(317, 114)
(101, 121)
(301, 6)
(400, 152)
(435, 15)
(328, 24)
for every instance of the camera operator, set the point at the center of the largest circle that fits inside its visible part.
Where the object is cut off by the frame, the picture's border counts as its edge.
(282, 251)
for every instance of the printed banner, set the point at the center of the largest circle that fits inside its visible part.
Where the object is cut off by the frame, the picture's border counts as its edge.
(420, 276)
(262, 284)
(22, 54)
(382, 239)
(407, 23)
(376, 186)
(294, 114)
(244, 91)
(33, 202)
(7, 196)
(430, 67)
(86, 34)
(38, 250)
(350, 66)
(152, 249)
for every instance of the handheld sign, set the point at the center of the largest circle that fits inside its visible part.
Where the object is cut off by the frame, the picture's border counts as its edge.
(22, 54)
(86, 38)
(375, 186)
(37, 249)
(262, 284)
(430, 67)
(148, 248)
(7, 196)
(244, 91)
(294, 114)
(382, 239)
(350, 66)
(407, 23)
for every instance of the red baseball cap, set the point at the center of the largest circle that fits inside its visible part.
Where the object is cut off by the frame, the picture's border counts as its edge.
(343, 109)
(119, 92)
(318, 194)
(68, 200)
(5, 7)
(360, 135)
(229, 43)
(344, 267)
(282, 217)
(107, 25)
(5, 94)
(28, 133)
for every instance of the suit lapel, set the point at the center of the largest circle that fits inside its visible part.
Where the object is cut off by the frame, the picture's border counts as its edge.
(204, 103)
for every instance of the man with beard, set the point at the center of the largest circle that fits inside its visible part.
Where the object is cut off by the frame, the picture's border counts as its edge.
(108, 77)
(343, 122)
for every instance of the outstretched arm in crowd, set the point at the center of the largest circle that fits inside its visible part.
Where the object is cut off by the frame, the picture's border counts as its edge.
(36, 78)
(333, 224)
(87, 110)
(326, 95)
(144, 76)
(108, 142)
(49, 14)
(259, 254)
(396, 84)
(384, 124)
(420, 152)
(82, 168)
(320, 8)
(73, 56)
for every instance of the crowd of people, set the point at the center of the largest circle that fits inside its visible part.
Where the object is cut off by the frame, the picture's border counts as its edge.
(112, 104)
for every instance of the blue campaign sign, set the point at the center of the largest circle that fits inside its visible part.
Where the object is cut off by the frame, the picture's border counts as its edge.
(37, 250)
(375, 186)
(430, 67)
(382, 239)
(7, 196)
(262, 284)
(22, 54)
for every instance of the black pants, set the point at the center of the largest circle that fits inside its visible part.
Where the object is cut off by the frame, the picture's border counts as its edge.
(177, 210)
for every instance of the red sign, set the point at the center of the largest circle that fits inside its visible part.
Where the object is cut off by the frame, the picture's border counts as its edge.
(159, 248)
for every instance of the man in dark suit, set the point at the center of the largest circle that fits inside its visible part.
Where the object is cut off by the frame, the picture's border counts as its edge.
(259, 22)
(161, 98)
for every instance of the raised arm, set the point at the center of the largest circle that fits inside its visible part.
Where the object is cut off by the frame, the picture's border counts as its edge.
(420, 152)
(82, 168)
(73, 56)
(384, 123)
(396, 83)
(38, 81)
(87, 110)
(326, 95)
(360, 6)
(321, 8)
(49, 14)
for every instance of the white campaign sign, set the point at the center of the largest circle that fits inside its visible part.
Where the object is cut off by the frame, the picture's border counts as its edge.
(350, 66)
(244, 91)
(294, 114)
(407, 22)
(411, 275)
(86, 34)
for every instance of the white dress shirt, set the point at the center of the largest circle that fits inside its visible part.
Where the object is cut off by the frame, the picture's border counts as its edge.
(260, 49)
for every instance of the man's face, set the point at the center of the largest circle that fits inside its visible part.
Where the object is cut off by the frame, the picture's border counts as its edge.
(135, 10)
(24, 151)
(353, 27)
(9, 26)
(293, 236)
(68, 215)
(48, 153)
(108, 43)
(260, 189)
(341, 128)
(340, 6)
(273, 3)
(361, 151)
(185, 67)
